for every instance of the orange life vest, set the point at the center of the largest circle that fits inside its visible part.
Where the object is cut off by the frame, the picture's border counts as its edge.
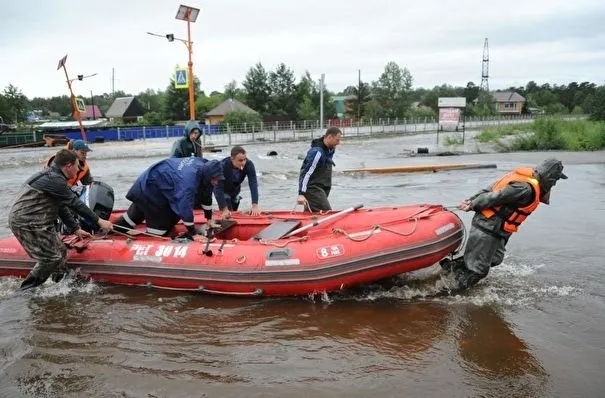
(512, 222)
(82, 167)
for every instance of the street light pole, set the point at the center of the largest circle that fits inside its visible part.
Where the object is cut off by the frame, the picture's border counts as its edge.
(189, 14)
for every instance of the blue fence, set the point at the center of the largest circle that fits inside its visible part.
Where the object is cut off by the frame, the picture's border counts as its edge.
(133, 133)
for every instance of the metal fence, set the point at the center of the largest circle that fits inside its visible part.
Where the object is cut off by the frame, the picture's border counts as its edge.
(233, 134)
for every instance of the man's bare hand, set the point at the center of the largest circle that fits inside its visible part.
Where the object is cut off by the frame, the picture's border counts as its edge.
(464, 206)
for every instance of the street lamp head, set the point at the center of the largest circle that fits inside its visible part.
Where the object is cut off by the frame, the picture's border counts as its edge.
(186, 13)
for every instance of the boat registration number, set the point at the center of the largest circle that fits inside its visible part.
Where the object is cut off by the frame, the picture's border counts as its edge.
(330, 251)
(160, 251)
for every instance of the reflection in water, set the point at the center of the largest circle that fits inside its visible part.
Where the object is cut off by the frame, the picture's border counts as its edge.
(165, 343)
(494, 355)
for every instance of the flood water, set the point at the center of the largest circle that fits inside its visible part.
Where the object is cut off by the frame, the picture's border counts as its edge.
(534, 327)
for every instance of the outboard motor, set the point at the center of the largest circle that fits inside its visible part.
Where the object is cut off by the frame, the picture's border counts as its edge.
(99, 197)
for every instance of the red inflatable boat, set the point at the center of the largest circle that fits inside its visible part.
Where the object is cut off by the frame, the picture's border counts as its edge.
(280, 253)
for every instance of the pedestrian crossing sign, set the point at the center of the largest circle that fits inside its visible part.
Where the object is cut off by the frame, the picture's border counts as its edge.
(80, 105)
(180, 78)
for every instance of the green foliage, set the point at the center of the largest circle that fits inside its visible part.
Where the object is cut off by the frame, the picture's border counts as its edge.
(306, 110)
(152, 119)
(256, 88)
(392, 90)
(204, 104)
(550, 134)
(373, 110)
(15, 105)
(232, 91)
(176, 103)
(493, 133)
(449, 140)
(555, 109)
(596, 104)
(239, 118)
(420, 113)
(282, 89)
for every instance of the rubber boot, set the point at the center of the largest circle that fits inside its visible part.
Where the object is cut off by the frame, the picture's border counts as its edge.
(31, 281)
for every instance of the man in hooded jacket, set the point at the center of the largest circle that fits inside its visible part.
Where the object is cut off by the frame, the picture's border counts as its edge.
(166, 193)
(189, 145)
(315, 179)
(499, 211)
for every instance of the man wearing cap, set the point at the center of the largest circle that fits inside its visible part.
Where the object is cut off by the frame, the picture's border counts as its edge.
(81, 150)
(499, 211)
(166, 192)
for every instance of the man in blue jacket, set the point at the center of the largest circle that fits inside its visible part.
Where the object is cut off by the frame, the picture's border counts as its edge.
(315, 180)
(235, 169)
(166, 193)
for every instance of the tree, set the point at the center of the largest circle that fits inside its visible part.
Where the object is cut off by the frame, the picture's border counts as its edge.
(176, 105)
(151, 100)
(234, 92)
(238, 118)
(596, 104)
(203, 103)
(471, 92)
(306, 110)
(392, 89)
(256, 88)
(283, 91)
(16, 104)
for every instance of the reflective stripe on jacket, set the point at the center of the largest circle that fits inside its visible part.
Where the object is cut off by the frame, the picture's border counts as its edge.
(513, 217)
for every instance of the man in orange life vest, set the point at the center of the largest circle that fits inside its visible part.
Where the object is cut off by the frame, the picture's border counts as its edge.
(499, 210)
(81, 150)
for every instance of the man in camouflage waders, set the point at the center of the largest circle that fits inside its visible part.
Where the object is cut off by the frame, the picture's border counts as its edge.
(499, 211)
(44, 197)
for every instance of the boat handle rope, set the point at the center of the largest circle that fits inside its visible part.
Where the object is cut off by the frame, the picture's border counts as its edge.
(339, 231)
(241, 259)
(284, 244)
(255, 292)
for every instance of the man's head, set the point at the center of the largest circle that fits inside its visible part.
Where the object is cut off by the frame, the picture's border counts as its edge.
(67, 161)
(238, 157)
(81, 149)
(548, 173)
(213, 171)
(332, 137)
(193, 130)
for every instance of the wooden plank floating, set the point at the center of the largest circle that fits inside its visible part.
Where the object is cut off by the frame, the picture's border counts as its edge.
(421, 168)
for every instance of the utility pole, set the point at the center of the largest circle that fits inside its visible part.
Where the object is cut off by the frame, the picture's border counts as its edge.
(92, 105)
(321, 101)
(113, 83)
(358, 99)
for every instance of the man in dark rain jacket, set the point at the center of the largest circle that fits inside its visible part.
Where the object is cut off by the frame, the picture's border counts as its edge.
(236, 168)
(166, 193)
(44, 197)
(499, 210)
(189, 144)
(315, 179)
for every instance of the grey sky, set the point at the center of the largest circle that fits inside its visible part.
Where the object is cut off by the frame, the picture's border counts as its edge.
(439, 41)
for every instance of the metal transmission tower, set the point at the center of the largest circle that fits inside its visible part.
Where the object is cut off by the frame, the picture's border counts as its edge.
(485, 68)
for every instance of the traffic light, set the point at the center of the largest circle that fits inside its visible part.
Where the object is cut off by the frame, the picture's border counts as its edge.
(170, 37)
(80, 77)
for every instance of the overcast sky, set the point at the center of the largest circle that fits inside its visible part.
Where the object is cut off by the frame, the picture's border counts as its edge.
(439, 41)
